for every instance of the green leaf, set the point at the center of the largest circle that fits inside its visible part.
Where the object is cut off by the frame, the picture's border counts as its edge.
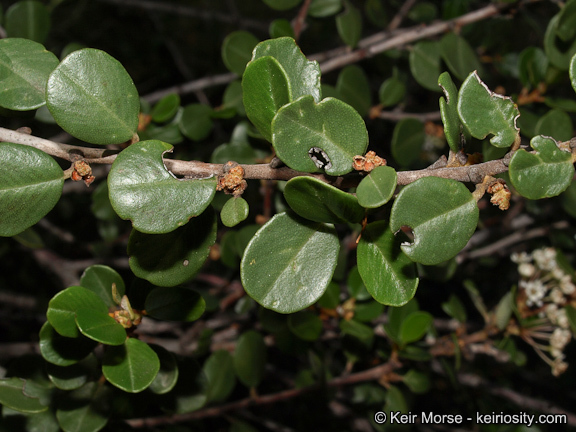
(237, 50)
(407, 141)
(569, 199)
(368, 311)
(559, 53)
(532, 66)
(74, 376)
(166, 108)
(281, 28)
(85, 409)
(289, 263)
(24, 70)
(572, 71)
(349, 25)
(196, 122)
(265, 90)
(484, 112)
(174, 304)
(28, 20)
(390, 276)
(99, 279)
(417, 382)
(425, 64)
(324, 8)
(331, 132)
(391, 92)
(63, 351)
(459, 55)
(13, 395)
(143, 190)
(167, 376)
(567, 21)
(63, 306)
(100, 326)
(282, 4)
(317, 201)
(504, 310)
(250, 358)
(447, 214)
(555, 123)
(30, 186)
(331, 297)
(415, 326)
(423, 12)
(377, 188)
(306, 325)
(357, 330)
(219, 369)
(131, 367)
(543, 174)
(449, 111)
(232, 97)
(454, 308)
(354, 89)
(92, 97)
(235, 210)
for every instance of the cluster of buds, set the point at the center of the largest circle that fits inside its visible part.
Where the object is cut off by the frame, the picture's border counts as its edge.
(232, 182)
(367, 162)
(545, 290)
(81, 170)
(500, 194)
(125, 316)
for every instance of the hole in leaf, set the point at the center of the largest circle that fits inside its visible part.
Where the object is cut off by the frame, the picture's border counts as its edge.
(320, 158)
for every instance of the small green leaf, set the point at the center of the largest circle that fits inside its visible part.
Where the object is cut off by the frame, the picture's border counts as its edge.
(425, 64)
(283, 268)
(390, 276)
(377, 188)
(100, 326)
(219, 369)
(354, 89)
(30, 186)
(235, 210)
(555, 123)
(143, 190)
(317, 201)
(566, 29)
(454, 308)
(85, 409)
(447, 214)
(324, 8)
(306, 325)
(167, 376)
(391, 92)
(131, 367)
(349, 25)
(99, 279)
(281, 28)
(415, 326)
(28, 20)
(358, 330)
(174, 304)
(559, 52)
(196, 122)
(532, 66)
(63, 306)
(92, 97)
(309, 136)
(484, 112)
(74, 376)
(417, 382)
(572, 71)
(331, 297)
(282, 4)
(407, 141)
(24, 70)
(250, 358)
(12, 395)
(63, 351)
(166, 108)
(396, 316)
(504, 310)
(449, 111)
(543, 174)
(459, 55)
(237, 50)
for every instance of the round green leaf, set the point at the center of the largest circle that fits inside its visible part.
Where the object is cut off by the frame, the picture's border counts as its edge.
(63, 351)
(235, 210)
(349, 25)
(166, 108)
(306, 325)
(196, 122)
(309, 136)
(132, 366)
(324, 8)
(425, 64)
(237, 50)
(566, 29)
(76, 375)
(92, 97)
(320, 202)
(543, 174)
(532, 66)
(555, 123)
(99, 279)
(250, 358)
(391, 92)
(289, 263)
(354, 89)
(168, 374)
(439, 211)
(24, 70)
(407, 141)
(281, 28)
(63, 306)
(175, 257)
(219, 369)
(232, 98)
(84, 409)
(377, 188)
(559, 52)
(100, 326)
(417, 382)
(12, 395)
(459, 55)
(484, 112)
(282, 4)
(389, 275)
(143, 190)
(449, 112)
(30, 186)
(28, 20)
(174, 304)
(415, 326)
(368, 311)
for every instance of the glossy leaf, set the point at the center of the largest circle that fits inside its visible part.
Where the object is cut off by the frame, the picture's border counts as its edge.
(99, 279)
(235, 210)
(543, 174)
(250, 358)
(324, 8)
(484, 112)
(143, 190)
(175, 257)
(92, 97)
(349, 25)
(306, 325)
(391, 91)
(13, 395)
(389, 275)
(63, 306)
(282, 4)
(354, 89)
(330, 131)
(24, 70)
(219, 370)
(317, 201)
(63, 351)
(237, 50)
(166, 108)
(100, 326)
(174, 304)
(132, 366)
(459, 55)
(559, 53)
(415, 326)
(377, 188)
(449, 112)
(30, 186)
(447, 214)
(407, 141)
(555, 123)
(196, 122)
(167, 376)
(28, 20)
(289, 263)
(425, 64)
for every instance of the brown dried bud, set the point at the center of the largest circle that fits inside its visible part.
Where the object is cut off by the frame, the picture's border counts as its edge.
(82, 168)
(500, 194)
(232, 182)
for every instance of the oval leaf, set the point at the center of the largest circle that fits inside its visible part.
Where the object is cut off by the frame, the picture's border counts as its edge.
(389, 275)
(235, 210)
(166, 108)
(559, 52)
(237, 50)
(459, 55)
(425, 64)
(143, 190)
(174, 304)
(99, 279)
(391, 91)
(28, 20)
(250, 358)
(63, 351)
(168, 374)
(289, 263)
(353, 88)
(30, 186)
(309, 136)
(219, 369)
(100, 326)
(282, 4)
(449, 112)
(556, 123)
(92, 97)
(415, 326)
(195, 122)
(377, 188)
(320, 202)
(12, 396)
(439, 211)
(306, 325)
(543, 174)
(407, 141)
(349, 25)
(85, 409)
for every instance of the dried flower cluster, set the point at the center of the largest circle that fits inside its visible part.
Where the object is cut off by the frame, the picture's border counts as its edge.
(545, 290)
(368, 162)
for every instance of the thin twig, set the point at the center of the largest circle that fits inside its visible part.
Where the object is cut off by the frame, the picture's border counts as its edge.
(400, 115)
(299, 22)
(399, 17)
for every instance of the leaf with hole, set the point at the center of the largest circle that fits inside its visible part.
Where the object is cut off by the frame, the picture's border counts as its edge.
(377, 188)
(174, 304)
